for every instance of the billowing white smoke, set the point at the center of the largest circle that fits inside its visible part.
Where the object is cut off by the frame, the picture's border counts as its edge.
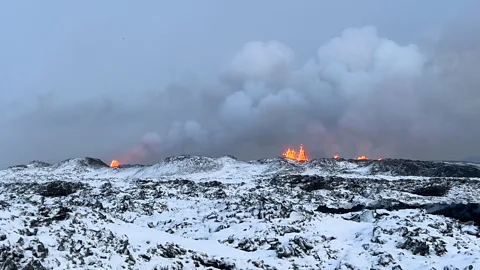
(361, 94)
(357, 96)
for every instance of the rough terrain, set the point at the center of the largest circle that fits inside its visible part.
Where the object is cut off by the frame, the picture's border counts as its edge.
(191, 212)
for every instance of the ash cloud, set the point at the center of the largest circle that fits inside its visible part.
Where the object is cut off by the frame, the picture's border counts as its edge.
(360, 94)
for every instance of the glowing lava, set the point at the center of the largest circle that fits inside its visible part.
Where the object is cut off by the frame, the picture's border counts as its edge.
(292, 154)
(336, 157)
(302, 156)
(115, 164)
(380, 159)
(362, 158)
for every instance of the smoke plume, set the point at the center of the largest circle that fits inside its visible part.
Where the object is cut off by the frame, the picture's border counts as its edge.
(360, 94)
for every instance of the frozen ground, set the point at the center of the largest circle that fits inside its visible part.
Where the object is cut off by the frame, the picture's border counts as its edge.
(202, 213)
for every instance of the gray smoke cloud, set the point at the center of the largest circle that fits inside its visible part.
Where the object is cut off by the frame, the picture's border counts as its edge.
(360, 94)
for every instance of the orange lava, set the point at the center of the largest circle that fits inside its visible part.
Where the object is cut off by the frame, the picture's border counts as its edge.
(115, 164)
(302, 156)
(292, 154)
(362, 158)
(336, 157)
(380, 159)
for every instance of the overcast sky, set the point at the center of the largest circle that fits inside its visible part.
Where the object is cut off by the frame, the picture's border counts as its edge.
(139, 81)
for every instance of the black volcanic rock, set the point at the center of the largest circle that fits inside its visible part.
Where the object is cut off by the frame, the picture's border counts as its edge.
(191, 164)
(86, 162)
(18, 167)
(39, 164)
(339, 210)
(268, 214)
(34, 265)
(399, 167)
(463, 211)
(93, 162)
(417, 247)
(405, 167)
(307, 183)
(59, 188)
(432, 190)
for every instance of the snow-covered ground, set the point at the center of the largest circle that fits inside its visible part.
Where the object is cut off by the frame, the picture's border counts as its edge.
(221, 213)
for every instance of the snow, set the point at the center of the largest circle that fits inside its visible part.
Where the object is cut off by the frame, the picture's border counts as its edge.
(123, 218)
(223, 169)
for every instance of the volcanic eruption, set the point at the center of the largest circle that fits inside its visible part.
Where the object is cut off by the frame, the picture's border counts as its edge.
(292, 154)
(115, 164)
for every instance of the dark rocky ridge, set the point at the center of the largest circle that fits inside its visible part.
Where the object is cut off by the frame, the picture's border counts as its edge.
(465, 212)
(404, 167)
(87, 162)
(435, 187)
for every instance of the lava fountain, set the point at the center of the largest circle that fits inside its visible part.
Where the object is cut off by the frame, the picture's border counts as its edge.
(115, 164)
(292, 154)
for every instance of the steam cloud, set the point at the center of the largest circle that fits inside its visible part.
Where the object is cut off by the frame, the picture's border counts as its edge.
(361, 94)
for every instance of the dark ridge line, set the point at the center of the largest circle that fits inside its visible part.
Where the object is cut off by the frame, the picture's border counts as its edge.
(464, 212)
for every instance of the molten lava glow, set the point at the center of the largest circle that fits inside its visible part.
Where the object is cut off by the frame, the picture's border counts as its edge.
(292, 154)
(302, 156)
(336, 157)
(362, 158)
(380, 159)
(115, 164)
